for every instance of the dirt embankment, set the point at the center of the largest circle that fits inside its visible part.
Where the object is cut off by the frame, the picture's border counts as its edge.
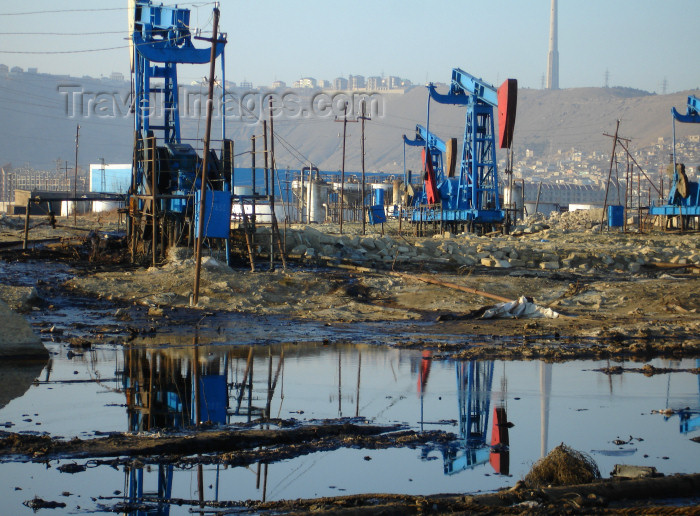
(626, 293)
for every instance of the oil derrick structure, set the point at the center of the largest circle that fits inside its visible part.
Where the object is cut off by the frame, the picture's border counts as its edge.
(438, 150)
(469, 197)
(165, 170)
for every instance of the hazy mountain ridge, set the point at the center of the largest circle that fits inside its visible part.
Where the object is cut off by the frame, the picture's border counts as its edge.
(36, 128)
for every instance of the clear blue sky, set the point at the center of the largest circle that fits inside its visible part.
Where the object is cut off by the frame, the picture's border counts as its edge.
(640, 42)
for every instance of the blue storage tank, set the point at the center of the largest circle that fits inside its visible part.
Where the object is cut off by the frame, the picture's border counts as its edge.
(379, 197)
(616, 216)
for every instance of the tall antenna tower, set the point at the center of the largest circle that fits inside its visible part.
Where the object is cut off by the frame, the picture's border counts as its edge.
(553, 56)
(606, 82)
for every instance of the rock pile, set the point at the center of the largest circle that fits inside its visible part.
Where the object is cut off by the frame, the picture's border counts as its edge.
(561, 241)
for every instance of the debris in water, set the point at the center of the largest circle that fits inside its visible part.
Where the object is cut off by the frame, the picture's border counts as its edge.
(37, 503)
(72, 468)
(629, 471)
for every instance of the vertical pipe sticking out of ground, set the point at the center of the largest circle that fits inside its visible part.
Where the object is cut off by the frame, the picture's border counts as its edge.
(362, 141)
(537, 202)
(205, 160)
(273, 217)
(342, 170)
(252, 174)
(301, 194)
(26, 224)
(266, 153)
(151, 142)
(75, 177)
(266, 173)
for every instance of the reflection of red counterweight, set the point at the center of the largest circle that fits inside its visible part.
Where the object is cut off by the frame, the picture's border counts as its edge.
(500, 456)
(424, 370)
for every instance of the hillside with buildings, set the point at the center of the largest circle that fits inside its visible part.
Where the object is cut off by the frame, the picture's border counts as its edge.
(559, 135)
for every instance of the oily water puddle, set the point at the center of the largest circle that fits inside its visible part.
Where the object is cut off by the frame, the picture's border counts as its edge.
(85, 393)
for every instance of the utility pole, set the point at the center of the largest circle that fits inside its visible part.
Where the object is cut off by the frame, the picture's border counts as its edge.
(75, 178)
(363, 118)
(205, 160)
(273, 217)
(342, 170)
(266, 154)
(607, 183)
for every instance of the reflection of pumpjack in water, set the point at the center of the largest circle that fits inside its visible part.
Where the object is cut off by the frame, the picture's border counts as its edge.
(474, 381)
(689, 417)
(168, 391)
(165, 390)
(175, 388)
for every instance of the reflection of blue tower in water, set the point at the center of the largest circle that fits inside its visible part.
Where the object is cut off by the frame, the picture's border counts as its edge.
(163, 492)
(172, 390)
(689, 417)
(474, 381)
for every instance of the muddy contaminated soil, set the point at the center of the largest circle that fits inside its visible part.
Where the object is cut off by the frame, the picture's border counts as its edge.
(616, 294)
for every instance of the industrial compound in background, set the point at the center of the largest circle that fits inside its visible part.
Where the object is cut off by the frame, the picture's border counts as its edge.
(165, 183)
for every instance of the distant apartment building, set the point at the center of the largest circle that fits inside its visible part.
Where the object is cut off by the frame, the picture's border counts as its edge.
(305, 82)
(279, 85)
(374, 83)
(340, 83)
(116, 76)
(356, 82)
(33, 70)
(26, 178)
(246, 85)
(4, 70)
(16, 70)
(391, 82)
(322, 83)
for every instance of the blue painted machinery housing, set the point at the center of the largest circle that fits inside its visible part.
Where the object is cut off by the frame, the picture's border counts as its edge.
(684, 195)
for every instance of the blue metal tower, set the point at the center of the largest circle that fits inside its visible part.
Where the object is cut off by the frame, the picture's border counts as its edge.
(165, 169)
(472, 196)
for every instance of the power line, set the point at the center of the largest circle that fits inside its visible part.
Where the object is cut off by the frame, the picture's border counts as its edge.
(44, 52)
(176, 39)
(95, 9)
(54, 11)
(61, 33)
